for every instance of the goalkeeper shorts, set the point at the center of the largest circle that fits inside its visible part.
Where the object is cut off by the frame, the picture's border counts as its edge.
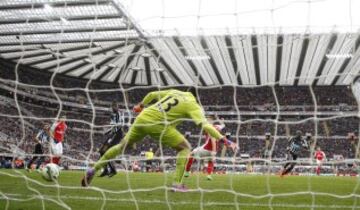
(166, 134)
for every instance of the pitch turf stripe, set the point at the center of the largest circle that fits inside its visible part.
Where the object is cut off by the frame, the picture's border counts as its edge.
(10, 196)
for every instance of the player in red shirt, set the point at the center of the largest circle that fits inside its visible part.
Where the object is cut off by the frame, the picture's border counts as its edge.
(57, 133)
(207, 151)
(320, 157)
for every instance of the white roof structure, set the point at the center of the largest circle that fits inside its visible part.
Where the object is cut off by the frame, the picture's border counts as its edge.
(146, 42)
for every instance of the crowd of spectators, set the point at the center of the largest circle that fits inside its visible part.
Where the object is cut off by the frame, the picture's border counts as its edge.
(38, 104)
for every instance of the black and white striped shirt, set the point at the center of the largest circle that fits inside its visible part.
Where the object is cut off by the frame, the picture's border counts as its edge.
(42, 136)
(119, 119)
(296, 143)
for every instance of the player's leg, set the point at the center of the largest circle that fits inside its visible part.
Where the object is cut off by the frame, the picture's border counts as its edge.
(111, 169)
(103, 161)
(291, 165)
(204, 154)
(104, 147)
(210, 166)
(147, 165)
(318, 168)
(57, 151)
(114, 141)
(290, 168)
(183, 151)
(190, 161)
(171, 137)
(284, 169)
(28, 167)
(210, 169)
(287, 164)
(39, 162)
(105, 171)
(188, 166)
(132, 136)
(135, 134)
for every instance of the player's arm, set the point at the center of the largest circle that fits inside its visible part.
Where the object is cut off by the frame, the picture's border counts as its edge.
(221, 121)
(213, 146)
(305, 144)
(107, 131)
(50, 134)
(36, 138)
(154, 95)
(48, 131)
(290, 140)
(197, 115)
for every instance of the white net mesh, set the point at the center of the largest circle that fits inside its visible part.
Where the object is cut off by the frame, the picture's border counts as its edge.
(268, 68)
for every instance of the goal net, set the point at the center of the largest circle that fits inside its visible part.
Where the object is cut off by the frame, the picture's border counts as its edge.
(265, 70)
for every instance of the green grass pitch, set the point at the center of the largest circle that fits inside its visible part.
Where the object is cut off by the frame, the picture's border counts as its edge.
(20, 190)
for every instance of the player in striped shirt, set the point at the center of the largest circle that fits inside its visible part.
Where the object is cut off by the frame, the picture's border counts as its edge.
(320, 157)
(296, 143)
(114, 135)
(40, 138)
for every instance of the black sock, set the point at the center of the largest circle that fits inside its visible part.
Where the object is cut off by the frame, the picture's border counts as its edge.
(289, 169)
(111, 167)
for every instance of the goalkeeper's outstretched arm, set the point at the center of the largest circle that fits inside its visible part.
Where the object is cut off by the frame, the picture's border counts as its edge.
(213, 132)
(154, 95)
(208, 128)
(197, 115)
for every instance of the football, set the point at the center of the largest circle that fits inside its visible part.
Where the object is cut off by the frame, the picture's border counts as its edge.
(50, 172)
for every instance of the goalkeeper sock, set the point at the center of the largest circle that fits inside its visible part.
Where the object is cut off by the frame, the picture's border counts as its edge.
(180, 165)
(110, 154)
(189, 163)
(210, 168)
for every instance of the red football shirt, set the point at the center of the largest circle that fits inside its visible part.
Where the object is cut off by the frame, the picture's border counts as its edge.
(208, 145)
(58, 129)
(319, 155)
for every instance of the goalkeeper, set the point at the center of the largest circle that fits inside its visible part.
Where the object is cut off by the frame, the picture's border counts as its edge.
(159, 121)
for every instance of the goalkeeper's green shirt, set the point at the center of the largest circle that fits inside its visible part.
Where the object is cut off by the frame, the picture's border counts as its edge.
(173, 107)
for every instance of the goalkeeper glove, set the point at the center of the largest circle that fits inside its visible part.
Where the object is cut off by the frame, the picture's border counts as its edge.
(230, 144)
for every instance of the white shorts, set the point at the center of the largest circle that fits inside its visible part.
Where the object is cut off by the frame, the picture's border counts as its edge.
(56, 148)
(319, 162)
(201, 153)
